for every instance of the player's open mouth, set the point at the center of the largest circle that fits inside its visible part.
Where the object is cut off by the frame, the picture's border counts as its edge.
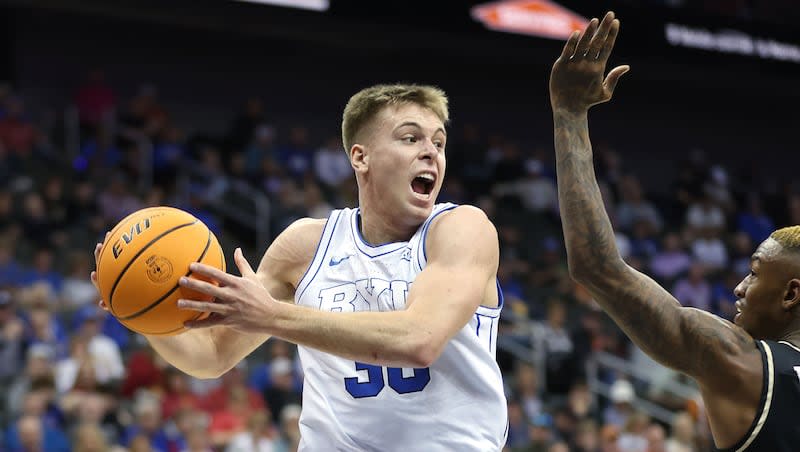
(423, 184)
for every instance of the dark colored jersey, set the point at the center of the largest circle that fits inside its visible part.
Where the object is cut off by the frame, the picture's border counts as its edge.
(776, 427)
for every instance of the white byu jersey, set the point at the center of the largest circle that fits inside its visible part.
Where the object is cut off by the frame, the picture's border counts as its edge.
(455, 405)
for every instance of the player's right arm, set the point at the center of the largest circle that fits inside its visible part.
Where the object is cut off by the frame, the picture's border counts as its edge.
(209, 353)
(717, 353)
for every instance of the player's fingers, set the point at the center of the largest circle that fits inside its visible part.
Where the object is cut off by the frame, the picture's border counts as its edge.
(212, 320)
(103, 305)
(613, 77)
(212, 272)
(613, 31)
(569, 47)
(599, 38)
(244, 267)
(586, 37)
(203, 306)
(201, 286)
(97, 249)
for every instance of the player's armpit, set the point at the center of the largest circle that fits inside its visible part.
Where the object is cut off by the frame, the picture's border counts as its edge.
(463, 254)
(689, 340)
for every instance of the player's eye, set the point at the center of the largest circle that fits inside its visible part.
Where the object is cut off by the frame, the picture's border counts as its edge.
(439, 144)
(409, 139)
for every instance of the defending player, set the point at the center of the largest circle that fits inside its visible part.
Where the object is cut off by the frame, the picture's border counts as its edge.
(396, 303)
(748, 373)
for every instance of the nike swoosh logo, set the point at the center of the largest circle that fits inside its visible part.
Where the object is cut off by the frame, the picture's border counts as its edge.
(335, 261)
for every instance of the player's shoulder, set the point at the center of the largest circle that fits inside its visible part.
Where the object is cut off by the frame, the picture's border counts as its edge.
(463, 218)
(460, 225)
(302, 236)
(293, 249)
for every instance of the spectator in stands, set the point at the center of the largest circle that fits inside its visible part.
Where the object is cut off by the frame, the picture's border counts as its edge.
(682, 434)
(118, 200)
(260, 436)
(709, 250)
(535, 191)
(88, 437)
(38, 373)
(693, 289)
(705, 218)
(262, 146)
(147, 414)
(526, 389)
(233, 383)
(76, 290)
(621, 407)
(12, 338)
(587, 438)
(754, 221)
(331, 165)
(241, 130)
(560, 371)
(296, 155)
(633, 206)
(30, 434)
(290, 429)
(95, 101)
(17, 132)
(672, 260)
(43, 272)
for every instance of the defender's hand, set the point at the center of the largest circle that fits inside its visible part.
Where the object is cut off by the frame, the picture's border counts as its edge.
(576, 81)
(241, 302)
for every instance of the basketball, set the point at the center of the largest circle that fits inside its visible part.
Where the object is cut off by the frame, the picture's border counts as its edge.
(141, 262)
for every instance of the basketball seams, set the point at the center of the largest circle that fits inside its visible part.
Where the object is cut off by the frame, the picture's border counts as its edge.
(171, 291)
(136, 256)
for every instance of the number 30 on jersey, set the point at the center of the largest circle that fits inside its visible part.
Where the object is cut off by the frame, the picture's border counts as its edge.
(394, 375)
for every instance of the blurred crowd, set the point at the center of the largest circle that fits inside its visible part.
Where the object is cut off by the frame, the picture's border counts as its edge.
(77, 380)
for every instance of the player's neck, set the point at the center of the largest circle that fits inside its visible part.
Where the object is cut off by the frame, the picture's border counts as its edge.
(377, 229)
(792, 336)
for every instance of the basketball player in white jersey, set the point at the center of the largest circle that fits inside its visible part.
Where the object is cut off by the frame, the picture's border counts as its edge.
(394, 305)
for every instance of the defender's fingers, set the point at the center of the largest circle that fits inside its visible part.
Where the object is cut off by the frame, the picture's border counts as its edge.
(613, 77)
(613, 31)
(569, 47)
(599, 38)
(586, 37)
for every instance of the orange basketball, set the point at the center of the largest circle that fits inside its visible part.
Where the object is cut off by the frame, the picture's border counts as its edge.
(140, 264)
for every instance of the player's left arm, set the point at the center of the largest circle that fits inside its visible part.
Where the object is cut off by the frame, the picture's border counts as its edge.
(462, 255)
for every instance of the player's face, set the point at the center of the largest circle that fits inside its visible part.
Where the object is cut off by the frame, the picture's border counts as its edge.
(760, 308)
(406, 161)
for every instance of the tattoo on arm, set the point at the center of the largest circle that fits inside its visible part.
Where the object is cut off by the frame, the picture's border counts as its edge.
(685, 339)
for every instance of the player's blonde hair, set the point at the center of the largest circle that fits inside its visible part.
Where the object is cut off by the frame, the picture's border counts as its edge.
(788, 237)
(365, 104)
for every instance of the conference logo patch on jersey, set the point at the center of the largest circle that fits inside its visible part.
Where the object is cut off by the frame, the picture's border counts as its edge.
(372, 294)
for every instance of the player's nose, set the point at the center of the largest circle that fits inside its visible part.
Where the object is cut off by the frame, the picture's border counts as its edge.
(429, 150)
(739, 291)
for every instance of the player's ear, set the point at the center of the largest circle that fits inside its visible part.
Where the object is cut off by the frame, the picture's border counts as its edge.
(791, 297)
(359, 158)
